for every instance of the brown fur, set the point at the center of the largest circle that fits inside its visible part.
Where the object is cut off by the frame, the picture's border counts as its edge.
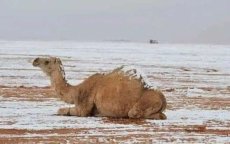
(113, 94)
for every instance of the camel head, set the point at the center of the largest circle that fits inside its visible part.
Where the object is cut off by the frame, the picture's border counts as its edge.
(48, 65)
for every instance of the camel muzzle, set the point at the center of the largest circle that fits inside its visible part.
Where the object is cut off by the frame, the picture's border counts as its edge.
(35, 62)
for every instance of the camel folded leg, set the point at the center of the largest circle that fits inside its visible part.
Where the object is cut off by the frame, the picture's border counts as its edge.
(81, 111)
(70, 111)
(156, 116)
(149, 113)
(148, 106)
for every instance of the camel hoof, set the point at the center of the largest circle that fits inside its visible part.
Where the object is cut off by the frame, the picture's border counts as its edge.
(163, 116)
(64, 111)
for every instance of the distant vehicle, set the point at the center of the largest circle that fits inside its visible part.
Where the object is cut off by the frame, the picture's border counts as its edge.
(153, 41)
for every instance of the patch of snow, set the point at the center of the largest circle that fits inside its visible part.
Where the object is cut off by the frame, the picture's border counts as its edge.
(135, 73)
(42, 115)
(162, 61)
(197, 114)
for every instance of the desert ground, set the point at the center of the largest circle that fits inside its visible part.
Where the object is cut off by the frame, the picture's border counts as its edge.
(194, 78)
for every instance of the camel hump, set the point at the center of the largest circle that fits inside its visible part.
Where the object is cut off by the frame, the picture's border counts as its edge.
(134, 73)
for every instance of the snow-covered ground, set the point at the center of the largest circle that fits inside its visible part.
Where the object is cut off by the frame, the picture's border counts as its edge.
(169, 62)
(194, 78)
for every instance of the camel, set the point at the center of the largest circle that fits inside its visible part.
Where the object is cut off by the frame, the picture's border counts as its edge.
(119, 93)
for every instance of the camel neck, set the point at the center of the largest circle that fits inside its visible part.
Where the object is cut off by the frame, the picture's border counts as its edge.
(59, 82)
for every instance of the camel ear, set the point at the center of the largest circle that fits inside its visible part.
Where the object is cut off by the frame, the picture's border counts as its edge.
(57, 60)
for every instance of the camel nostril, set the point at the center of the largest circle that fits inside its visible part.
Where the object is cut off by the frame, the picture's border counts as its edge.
(35, 62)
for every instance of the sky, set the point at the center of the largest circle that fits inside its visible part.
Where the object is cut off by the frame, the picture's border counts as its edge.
(168, 21)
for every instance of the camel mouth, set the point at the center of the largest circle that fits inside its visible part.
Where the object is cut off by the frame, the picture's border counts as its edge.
(35, 62)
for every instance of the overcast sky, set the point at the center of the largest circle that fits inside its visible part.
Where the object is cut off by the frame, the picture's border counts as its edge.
(169, 21)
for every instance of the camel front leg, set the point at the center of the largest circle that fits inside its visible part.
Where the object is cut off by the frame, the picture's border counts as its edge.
(70, 111)
(75, 111)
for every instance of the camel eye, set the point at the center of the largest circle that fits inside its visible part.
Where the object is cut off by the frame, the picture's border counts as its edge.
(47, 62)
